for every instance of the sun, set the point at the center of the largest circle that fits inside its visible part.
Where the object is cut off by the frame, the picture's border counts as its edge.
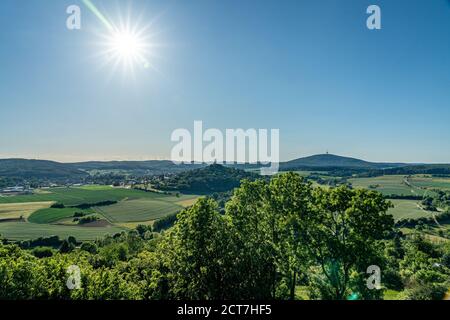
(127, 42)
(128, 48)
(126, 45)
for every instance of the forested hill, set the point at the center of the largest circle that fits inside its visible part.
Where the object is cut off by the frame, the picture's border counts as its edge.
(214, 178)
(136, 167)
(45, 169)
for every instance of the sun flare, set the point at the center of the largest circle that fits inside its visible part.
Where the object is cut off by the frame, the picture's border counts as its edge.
(126, 42)
(126, 45)
(127, 48)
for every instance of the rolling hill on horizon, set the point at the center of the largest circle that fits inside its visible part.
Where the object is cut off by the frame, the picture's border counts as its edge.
(28, 168)
(334, 161)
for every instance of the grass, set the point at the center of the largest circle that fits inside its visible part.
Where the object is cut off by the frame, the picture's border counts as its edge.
(187, 203)
(91, 194)
(52, 215)
(138, 210)
(25, 230)
(429, 182)
(21, 210)
(302, 293)
(407, 209)
(133, 225)
(393, 295)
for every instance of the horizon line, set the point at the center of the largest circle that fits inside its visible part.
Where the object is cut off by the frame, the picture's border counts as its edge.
(113, 159)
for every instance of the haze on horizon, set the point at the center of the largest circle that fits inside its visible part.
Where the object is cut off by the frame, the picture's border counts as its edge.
(309, 68)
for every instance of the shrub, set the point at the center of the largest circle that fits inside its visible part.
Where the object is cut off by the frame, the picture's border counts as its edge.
(88, 219)
(89, 247)
(66, 247)
(42, 252)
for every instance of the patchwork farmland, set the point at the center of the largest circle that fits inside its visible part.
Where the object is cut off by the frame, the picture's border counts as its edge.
(35, 215)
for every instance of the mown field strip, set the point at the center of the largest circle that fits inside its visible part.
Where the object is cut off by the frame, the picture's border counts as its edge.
(21, 210)
(407, 209)
(26, 230)
(138, 210)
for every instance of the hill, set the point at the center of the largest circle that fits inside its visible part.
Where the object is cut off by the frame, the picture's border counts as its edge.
(331, 161)
(23, 168)
(135, 167)
(214, 178)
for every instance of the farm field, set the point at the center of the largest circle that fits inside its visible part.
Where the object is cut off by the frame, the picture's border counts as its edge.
(138, 210)
(388, 185)
(21, 210)
(416, 185)
(39, 220)
(429, 182)
(51, 215)
(25, 230)
(90, 194)
(407, 209)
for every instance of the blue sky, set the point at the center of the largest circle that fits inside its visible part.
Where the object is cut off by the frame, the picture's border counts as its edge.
(310, 68)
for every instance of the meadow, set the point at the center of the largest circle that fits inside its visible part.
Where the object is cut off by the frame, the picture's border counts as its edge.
(138, 210)
(52, 215)
(388, 185)
(407, 209)
(428, 182)
(24, 231)
(71, 196)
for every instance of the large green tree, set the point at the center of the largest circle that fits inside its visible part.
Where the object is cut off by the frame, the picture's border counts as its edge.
(343, 238)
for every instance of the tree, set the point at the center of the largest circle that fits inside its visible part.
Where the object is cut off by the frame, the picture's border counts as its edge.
(66, 247)
(252, 239)
(194, 255)
(289, 205)
(89, 247)
(343, 236)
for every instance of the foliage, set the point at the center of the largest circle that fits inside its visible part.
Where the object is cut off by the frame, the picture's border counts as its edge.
(214, 178)
(274, 237)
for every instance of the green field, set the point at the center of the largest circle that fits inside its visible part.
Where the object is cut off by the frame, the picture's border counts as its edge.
(407, 209)
(429, 182)
(52, 215)
(26, 230)
(387, 185)
(90, 194)
(138, 210)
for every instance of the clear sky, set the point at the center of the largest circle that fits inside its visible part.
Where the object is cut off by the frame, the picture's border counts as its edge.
(309, 68)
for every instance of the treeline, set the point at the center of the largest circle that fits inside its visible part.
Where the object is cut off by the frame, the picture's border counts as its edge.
(214, 178)
(273, 237)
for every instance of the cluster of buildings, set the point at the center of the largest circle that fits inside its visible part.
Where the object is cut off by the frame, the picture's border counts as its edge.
(17, 190)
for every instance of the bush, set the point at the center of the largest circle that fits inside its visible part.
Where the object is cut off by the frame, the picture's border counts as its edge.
(88, 219)
(89, 247)
(79, 214)
(52, 241)
(66, 247)
(142, 229)
(72, 240)
(42, 252)
(164, 223)
(57, 205)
